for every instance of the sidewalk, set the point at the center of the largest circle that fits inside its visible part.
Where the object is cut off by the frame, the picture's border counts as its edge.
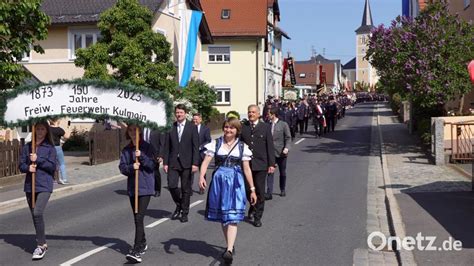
(433, 200)
(81, 176)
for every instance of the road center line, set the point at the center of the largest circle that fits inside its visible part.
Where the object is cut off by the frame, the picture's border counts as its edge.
(162, 220)
(195, 203)
(99, 249)
(299, 141)
(85, 255)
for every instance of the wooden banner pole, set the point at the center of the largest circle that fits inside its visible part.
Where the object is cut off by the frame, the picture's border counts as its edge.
(137, 144)
(33, 175)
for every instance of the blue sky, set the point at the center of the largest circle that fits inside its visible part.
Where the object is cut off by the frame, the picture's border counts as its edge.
(329, 25)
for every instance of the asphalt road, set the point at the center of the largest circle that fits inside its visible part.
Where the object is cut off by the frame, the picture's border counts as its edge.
(320, 222)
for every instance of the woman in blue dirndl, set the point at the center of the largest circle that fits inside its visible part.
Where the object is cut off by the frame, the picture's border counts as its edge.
(226, 197)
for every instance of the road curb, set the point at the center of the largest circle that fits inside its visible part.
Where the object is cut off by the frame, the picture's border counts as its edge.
(395, 218)
(20, 203)
(460, 171)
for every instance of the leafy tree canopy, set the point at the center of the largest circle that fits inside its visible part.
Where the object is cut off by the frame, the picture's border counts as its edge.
(424, 59)
(130, 49)
(22, 25)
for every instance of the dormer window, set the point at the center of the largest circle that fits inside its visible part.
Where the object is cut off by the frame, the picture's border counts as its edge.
(225, 14)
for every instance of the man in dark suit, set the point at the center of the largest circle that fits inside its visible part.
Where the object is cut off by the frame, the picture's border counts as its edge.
(258, 136)
(281, 142)
(181, 159)
(302, 114)
(204, 138)
(157, 140)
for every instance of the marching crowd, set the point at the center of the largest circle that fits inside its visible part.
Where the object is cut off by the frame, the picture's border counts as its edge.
(245, 158)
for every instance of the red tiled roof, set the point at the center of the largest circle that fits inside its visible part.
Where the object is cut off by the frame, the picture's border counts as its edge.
(247, 17)
(310, 71)
(422, 4)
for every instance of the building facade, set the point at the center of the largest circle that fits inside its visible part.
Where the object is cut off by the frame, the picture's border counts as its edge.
(74, 26)
(365, 72)
(274, 54)
(243, 63)
(319, 71)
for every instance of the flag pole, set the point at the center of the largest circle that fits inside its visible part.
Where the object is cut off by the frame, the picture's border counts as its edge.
(33, 175)
(137, 144)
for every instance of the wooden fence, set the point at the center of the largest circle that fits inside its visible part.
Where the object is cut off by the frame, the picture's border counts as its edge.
(105, 145)
(9, 158)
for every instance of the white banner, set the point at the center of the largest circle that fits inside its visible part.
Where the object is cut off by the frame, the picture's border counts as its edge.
(73, 99)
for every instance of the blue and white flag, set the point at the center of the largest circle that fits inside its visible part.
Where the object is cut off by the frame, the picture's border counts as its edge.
(410, 8)
(190, 21)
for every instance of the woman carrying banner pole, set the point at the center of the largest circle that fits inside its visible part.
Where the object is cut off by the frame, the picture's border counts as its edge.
(138, 156)
(38, 161)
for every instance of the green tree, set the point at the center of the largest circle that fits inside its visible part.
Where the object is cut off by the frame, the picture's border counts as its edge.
(424, 59)
(128, 46)
(202, 96)
(22, 24)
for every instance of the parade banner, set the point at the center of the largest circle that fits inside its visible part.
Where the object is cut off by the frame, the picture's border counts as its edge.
(86, 99)
(284, 72)
(292, 70)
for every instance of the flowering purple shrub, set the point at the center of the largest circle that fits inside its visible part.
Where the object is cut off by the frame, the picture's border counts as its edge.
(424, 59)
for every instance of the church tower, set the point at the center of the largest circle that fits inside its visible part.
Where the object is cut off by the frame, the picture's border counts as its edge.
(364, 71)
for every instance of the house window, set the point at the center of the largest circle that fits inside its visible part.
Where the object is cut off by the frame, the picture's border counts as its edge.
(26, 57)
(82, 38)
(160, 31)
(467, 3)
(302, 75)
(225, 14)
(223, 96)
(219, 54)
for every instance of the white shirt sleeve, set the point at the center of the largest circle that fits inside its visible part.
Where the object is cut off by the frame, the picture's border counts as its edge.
(210, 148)
(247, 156)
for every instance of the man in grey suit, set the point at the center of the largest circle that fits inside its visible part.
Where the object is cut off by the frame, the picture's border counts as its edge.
(281, 141)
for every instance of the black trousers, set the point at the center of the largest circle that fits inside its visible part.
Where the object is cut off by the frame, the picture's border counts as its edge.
(318, 126)
(281, 162)
(293, 130)
(301, 125)
(331, 123)
(143, 202)
(196, 173)
(259, 178)
(181, 197)
(157, 178)
(306, 122)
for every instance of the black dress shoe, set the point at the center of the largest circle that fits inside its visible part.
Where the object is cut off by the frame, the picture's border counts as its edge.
(176, 213)
(184, 218)
(228, 257)
(268, 197)
(283, 193)
(251, 214)
(257, 223)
